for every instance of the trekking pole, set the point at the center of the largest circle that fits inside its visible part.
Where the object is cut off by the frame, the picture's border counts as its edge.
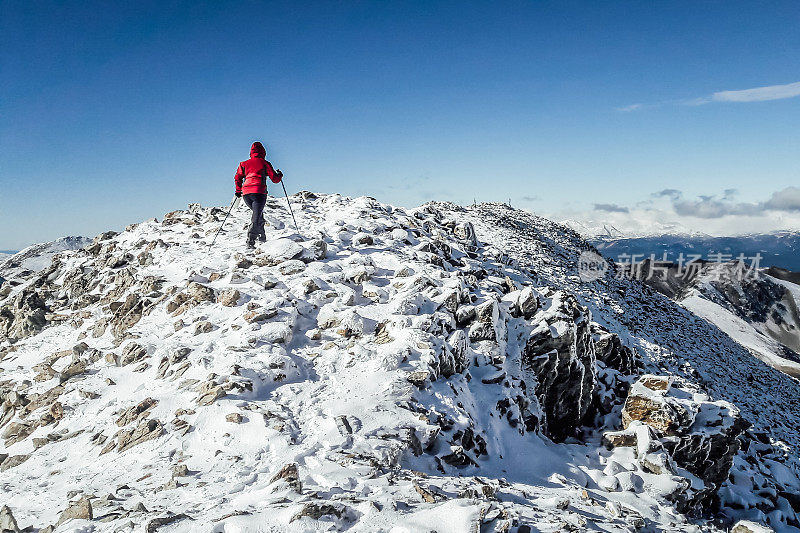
(223, 222)
(290, 206)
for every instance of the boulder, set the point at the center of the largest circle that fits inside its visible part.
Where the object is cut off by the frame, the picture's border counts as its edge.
(229, 298)
(132, 353)
(14, 460)
(701, 436)
(7, 522)
(126, 438)
(747, 526)
(137, 412)
(210, 393)
(485, 326)
(315, 250)
(81, 510)
(290, 475)
(199, 293)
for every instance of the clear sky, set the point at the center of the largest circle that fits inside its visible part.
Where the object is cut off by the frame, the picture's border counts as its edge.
(113, 112)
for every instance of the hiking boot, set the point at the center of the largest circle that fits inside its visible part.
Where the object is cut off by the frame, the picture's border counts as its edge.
(262, 238)
(251, 244)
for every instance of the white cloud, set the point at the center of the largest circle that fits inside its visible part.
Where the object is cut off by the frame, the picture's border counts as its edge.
(670, 211)
(787, 199)
(632, 107)
(759, 94)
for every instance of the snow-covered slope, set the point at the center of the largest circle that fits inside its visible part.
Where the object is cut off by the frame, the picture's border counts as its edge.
(382, 370)
(37, 257)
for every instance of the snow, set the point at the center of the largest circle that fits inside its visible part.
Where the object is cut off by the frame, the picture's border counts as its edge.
(38, 256)
(743, 332)
(301, 377)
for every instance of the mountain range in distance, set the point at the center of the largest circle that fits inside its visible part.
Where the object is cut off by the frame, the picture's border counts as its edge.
(778, 249)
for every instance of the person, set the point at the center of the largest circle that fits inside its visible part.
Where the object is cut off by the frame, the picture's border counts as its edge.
(251, 184)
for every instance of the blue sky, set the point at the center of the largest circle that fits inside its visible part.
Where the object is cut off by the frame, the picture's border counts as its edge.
(115, 112)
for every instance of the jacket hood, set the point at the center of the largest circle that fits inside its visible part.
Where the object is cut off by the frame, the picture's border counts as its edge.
(257, 150)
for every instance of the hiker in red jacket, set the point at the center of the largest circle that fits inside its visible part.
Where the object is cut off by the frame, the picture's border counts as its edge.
(251, 182)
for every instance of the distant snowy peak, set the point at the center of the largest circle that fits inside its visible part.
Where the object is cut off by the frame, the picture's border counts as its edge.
(629, 229)
(38, 256)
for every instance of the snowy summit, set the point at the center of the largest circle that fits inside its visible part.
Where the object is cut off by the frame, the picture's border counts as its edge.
(376, 369)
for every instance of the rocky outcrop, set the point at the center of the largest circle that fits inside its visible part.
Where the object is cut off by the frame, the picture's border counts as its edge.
(7, 522)
(561, 354)
(79, 510)
(25, 315)
(699, 435)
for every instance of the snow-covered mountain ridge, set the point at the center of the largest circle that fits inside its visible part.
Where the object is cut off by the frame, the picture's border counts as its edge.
(386, 370)
(36, 257)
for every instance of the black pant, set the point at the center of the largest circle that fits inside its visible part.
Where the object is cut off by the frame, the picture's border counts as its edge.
(256, 203)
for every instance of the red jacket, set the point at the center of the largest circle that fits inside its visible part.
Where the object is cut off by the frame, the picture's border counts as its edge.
(254, 172)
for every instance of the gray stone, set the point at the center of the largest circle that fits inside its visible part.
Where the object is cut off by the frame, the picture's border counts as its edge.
(80, 510)
(7, 522)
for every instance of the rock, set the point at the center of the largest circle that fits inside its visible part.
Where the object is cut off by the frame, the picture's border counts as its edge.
(17, 431)
(363, 239)
(80, 510)
(404, 272)
(146, 430)
(278, 251)
(259, 315)
(127, 315)
(309, 286)
(137, 412)
(290, 475)
(199, 293)
(609, 349)
(210, 393)
(486, 320)
(650, 405)
(132, 353)
(418, 378)
(75, 368)
(465, 314)
(25, 315)
(154, 524)
(458, 458)
(527, 303)
(560, 351)
(180, 470)
(229, 298)
(14, 460)
(617, 439)
(426, 495)
(315, 511)
(315, 250)
(204, 326)
(293, 266)
(699, 435)
(7, 522)
(235, 418)
(746, 526)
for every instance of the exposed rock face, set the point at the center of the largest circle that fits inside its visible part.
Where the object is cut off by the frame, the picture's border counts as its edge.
(561, 353)
(611, 352)
(25, 315)
(699, 435)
